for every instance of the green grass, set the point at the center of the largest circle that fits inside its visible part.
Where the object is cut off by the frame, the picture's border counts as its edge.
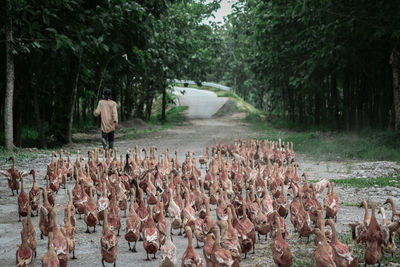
(393, 180)
(369, 182)
(174, 117)
(350, 204)
(325, 144)
(22, 154)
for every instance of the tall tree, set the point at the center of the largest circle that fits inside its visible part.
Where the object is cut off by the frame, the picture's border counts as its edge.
(8, 102)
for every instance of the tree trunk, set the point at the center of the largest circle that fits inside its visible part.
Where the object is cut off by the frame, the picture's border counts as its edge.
(76, 64)
(346, 103)
(317, 112)
(8, 102)
(335, 101)
(164, 104)
(140, 107)
(36, 110)
(394, 61)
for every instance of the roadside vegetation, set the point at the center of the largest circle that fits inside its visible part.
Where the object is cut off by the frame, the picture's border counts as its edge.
(174, 115)
(327, 144)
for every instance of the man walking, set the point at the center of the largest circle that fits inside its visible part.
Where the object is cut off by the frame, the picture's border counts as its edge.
(107, 108)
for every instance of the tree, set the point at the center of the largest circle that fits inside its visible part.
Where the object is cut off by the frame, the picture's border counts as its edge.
(8, 102)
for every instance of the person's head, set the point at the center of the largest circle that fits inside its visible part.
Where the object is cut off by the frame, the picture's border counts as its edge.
(107, 94)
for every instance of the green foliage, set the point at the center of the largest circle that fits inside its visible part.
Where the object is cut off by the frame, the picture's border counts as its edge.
(326, 144)
(369, 182)
(174, 115)
(132, 47)
(312, 62)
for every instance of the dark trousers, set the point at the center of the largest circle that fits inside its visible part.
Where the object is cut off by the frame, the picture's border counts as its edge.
(107, 139)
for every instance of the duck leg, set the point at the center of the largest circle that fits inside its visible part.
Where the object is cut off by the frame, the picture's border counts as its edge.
(129, 244)
(197, 245)
(118, 233)
(147, 256)
(73, 255)
(154, 256)
(87, 229)
(254, 249)
(102, 262)
(19, 218)
(180, 230)
(12, 191)
(94, 231)
(41, 236)
(134, 247)
(35, 253)
(245, 255)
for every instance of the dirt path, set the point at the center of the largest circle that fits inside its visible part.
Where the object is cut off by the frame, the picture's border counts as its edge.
(193, 135)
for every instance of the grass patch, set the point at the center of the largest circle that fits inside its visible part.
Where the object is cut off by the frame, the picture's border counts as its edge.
(174, 117)
(324, 144)
(369, 182)
(350, 204)
(22, 154)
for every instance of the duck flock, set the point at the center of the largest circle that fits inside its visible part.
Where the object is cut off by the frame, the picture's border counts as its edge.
(248, 190)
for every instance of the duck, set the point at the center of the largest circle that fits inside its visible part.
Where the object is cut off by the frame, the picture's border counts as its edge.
(331, 203)
(168, 250)
(175, 213)
(122, 199)
(108, 243)
(162, 225)
(80, 200)
(72, 209)
(68, 230)
(209, 245)
(90, 216)
(59, 241)
(280, 248)
(50, 193)
(50, 259)
(395, 214)
(341, 253)
(294, 208)
(373, 239)
(249, 226)
(12, 176)
(23, 201)
(142, 211)
(323, 253)
(220, 256)
(388, 235)
(303, 221)
(29, 231)
(190, 257)
(114, 219)
(103, 203)
(151, 236)
(34, 194)
(132, 232)
(24, 254)
(44, 222)
(203, 159)
(230, 239)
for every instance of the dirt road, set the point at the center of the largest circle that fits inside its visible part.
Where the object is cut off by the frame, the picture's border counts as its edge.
(194, 135)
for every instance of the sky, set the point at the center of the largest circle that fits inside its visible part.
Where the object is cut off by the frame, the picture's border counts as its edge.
(225, 9)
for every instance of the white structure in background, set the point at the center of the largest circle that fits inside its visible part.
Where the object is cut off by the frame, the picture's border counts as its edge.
(214, 85)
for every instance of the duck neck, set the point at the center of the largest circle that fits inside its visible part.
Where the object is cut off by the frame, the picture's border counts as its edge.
(366, 215)
(217, 244)
(334, 234)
